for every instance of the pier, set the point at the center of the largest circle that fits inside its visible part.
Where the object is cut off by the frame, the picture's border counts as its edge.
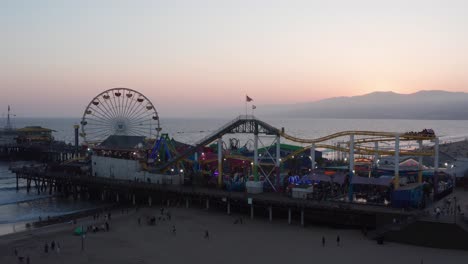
(271, 206)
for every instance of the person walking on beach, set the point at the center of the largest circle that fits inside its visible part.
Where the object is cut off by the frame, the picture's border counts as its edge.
(139, 221)
(207, 234)
(27, 260)
(46, 248)
(16, 252)
(323, 241)
(107, 226)
(58, 248)
(338, 240)
(174, 230)
(52, 246)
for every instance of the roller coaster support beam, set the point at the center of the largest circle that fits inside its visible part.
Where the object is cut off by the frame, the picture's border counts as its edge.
(312, 157)
(396, 182)
(196, 166)
(220, 162)
(436, 165)
(351, 167)
(278, 160)
(420, 161)
(255, 160)
(376, 155)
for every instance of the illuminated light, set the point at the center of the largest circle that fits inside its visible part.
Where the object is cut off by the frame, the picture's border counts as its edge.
(181, 171)
(446, 164)
(172, 170)
(203, 153)
(345, 159)
(293, 156)
(280, 159)
(259, 154)
(134, 153)
(251, 163)
(224, 159)
(89, 149)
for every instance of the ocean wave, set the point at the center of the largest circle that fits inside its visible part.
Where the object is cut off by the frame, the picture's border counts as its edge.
(25, 199)
(34, 216)
(11, 188)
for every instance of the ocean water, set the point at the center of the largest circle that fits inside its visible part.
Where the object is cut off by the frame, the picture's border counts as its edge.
(19, 206)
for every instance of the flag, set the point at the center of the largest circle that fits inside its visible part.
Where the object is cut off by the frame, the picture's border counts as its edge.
(248, 99)
(254, 107)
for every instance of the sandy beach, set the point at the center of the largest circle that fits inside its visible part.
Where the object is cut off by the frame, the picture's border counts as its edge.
(254, 241)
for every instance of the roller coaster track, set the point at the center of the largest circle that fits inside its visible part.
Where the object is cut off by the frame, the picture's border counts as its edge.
(250, 124)
(388, 135)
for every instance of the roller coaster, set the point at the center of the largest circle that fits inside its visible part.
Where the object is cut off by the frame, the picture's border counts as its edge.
(358, 142)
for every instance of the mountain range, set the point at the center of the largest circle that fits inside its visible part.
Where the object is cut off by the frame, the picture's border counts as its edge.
(429, 105)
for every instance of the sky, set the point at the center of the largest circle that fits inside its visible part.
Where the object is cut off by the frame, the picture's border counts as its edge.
(196, 58)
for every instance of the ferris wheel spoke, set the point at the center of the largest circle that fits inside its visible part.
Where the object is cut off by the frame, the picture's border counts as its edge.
(147, 117)
(99, 119)
(113, 105)
(98, 115)
(147, 125)
(98, 126)
(126, 99)
(133, 105)
(105, 109)
(141, 111)
(119, 103)
(110, 106)
(116, 103)
(138, 107)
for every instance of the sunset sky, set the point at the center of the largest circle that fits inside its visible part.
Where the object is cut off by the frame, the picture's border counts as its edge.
(192, 58)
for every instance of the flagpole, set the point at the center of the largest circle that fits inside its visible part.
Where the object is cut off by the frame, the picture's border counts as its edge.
(245, 108)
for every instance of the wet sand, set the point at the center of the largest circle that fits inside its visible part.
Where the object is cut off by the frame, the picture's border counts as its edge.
(255, 241)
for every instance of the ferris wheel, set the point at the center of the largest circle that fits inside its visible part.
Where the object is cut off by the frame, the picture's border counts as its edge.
(119, 111)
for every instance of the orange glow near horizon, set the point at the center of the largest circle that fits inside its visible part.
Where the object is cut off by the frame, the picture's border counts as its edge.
(197, 58)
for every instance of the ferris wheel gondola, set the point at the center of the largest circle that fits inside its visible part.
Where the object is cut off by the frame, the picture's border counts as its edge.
(119, 111)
